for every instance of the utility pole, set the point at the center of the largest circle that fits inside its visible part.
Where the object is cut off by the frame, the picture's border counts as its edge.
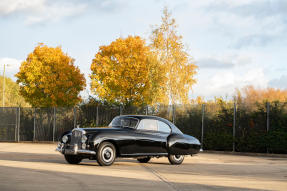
(3, 92)
(267, 120)
(234, 125)
(202, 125)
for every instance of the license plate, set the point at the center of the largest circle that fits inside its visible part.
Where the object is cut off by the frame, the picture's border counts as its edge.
(70, 151)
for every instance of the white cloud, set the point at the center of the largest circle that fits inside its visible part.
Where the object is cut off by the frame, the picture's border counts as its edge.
(38, 11)
(249, 23)
(224, 83)
(8, 7)
(12, 67)
(215, 30)
(223, 74)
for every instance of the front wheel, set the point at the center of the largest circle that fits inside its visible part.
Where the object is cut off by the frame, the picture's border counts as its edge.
(73, 159)
(175, 159)
(106, 154)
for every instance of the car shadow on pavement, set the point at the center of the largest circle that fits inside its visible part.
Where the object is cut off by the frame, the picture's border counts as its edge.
(57, 158)
(16, 178)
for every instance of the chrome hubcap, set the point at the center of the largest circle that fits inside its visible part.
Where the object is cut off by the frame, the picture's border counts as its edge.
(107, 154)
(178, 157)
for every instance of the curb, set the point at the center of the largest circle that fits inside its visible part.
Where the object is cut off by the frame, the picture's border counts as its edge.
(246, 154)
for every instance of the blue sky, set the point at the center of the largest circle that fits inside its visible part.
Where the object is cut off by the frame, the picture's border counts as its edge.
(234, 43)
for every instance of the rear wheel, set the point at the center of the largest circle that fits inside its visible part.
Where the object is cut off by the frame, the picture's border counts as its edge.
(144, 160)
(175, 159)
(106, 154)
(73, 159)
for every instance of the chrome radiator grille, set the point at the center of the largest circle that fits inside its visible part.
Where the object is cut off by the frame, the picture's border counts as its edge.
(76, 137)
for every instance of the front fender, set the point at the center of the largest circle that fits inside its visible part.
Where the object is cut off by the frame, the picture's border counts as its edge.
(181, 144)
(97, 139)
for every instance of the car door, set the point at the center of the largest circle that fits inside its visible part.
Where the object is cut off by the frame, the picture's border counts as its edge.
(125, 140)
(149, 139)
(125, 136)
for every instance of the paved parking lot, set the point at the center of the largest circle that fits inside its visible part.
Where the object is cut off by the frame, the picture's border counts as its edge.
(25, 166)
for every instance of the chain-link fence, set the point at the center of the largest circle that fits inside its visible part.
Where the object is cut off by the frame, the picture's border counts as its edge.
(219, 126)
(9, 124)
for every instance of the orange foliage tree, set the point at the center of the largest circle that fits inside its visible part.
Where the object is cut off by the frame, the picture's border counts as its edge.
(250, 95)
(48, 77)
(127, 72)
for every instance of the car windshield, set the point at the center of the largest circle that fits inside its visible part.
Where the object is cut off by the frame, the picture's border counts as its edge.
(124, 122)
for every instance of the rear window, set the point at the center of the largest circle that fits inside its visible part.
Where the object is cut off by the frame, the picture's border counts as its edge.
(163, 127)
(148, 124)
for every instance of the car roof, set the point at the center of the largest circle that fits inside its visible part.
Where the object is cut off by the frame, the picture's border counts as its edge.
(143, 116)
(140, 117)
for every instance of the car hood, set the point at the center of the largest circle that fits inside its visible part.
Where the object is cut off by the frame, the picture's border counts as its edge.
(98, 129)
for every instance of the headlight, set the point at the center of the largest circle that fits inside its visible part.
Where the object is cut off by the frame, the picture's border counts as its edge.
(84, 139)
(65, 139)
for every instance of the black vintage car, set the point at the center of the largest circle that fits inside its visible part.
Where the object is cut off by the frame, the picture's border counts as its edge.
(137, 136)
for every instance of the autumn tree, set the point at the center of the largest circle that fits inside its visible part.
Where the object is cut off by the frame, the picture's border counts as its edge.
(251, 95)
(127, 72)
(48, 77)
(12, 97)
(179, 68)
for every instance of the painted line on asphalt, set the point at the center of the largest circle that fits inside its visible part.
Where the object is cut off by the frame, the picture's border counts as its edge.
(163, 179)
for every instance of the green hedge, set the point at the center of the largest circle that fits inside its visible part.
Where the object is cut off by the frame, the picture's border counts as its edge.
(251, 127)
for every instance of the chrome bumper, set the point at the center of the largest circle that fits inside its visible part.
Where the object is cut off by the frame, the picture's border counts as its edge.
(73, 151)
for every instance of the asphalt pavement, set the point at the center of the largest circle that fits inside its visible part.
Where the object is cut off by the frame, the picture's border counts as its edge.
(31, 167)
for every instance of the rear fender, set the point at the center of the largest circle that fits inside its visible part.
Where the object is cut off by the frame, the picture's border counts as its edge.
(180, 144)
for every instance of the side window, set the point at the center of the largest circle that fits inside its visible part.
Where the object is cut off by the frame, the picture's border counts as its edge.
(163, 127)
(148, 124)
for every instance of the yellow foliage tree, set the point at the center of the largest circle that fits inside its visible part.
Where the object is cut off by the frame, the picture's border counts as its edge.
(48, 77)
(198, 100)
(127, 72)
(12, 95)
(179, 69)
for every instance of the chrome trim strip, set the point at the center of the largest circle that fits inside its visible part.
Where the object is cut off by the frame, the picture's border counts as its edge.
(146, 154)
(75, 151)
(87, 152)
